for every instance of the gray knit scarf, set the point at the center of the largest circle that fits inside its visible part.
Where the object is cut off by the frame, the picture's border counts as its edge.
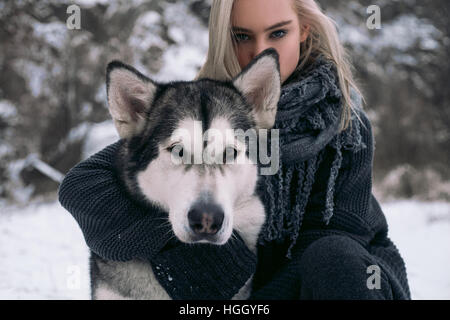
(308, 119)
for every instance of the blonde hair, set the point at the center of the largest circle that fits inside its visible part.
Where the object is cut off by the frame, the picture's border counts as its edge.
(222, 64)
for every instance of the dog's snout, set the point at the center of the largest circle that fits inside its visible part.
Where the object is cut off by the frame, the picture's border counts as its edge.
(205, 219)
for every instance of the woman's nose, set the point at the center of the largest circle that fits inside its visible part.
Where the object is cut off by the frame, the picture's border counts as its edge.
(260, 46)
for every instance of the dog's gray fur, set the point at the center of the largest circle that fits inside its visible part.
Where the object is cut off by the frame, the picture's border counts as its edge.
(147, 115)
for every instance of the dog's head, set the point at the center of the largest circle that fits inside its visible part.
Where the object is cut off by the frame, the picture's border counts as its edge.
(181, 150)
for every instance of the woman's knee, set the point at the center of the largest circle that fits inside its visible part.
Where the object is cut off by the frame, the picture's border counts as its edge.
(334, 249)
(337, 267)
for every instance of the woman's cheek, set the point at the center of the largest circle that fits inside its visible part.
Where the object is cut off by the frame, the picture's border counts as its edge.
(289, 59)
(242, 56)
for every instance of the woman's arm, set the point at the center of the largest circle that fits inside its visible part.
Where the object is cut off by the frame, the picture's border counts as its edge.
(114, 226)
(117, 228)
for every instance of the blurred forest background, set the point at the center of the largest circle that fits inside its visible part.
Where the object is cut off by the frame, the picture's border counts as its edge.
(53, 98)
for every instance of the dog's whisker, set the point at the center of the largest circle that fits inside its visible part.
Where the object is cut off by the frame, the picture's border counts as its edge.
(165, 219)
(233, 237)
(164, 224)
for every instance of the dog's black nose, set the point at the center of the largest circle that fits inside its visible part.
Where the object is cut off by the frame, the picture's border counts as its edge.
(205, 219)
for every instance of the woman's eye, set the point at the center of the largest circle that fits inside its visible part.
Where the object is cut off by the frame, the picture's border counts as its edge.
(278, 34)
(241, 37)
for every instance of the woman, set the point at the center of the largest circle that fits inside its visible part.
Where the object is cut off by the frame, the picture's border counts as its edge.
(325, 236)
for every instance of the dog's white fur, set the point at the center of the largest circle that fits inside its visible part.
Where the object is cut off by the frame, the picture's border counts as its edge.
(233, 189)
(163, 178)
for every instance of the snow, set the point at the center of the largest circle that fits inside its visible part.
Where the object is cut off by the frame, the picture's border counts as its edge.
(77, 133)
(91, 3)
(421, 232)
(182, 60)
(405, 31)
(5, 149)
(7, 109)
(36, 75)
(20, 192)
(53, 33)
(99, 136)
(402, 34)
(42, 253)
(181, 63)
(44, 168)
(44, 256)
(146, 32)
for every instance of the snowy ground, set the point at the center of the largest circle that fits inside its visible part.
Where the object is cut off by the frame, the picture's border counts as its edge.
(43, 254)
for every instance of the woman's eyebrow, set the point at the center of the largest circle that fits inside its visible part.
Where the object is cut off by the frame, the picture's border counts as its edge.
(277, 25)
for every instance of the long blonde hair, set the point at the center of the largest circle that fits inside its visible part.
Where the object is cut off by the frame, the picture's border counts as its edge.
(222, 64)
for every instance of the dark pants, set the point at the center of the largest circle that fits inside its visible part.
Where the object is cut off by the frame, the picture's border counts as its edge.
(336, 267)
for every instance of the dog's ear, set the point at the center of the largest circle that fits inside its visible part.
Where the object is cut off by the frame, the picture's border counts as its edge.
(130, 94)
(260, 84)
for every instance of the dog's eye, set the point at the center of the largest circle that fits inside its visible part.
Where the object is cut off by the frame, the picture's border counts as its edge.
(230, 154)
(176, 149)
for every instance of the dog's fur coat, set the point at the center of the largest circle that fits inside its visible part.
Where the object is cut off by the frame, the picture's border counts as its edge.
(156, 119)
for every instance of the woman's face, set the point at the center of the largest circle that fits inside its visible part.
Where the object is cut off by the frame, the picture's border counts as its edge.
(262, 24)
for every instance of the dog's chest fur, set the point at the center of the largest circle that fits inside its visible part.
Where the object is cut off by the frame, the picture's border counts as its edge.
(112, 280)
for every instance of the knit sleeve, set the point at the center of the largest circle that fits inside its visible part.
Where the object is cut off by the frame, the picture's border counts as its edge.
(355, 206)
(114, 226)
(119, 229)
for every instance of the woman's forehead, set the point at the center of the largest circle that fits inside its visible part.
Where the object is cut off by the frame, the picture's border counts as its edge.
(260, 15)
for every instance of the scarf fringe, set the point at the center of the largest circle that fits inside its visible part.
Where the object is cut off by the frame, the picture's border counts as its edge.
(329, 201)
(308, 107)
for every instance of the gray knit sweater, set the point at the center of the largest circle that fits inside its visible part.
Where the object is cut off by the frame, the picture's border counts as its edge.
(323, 188)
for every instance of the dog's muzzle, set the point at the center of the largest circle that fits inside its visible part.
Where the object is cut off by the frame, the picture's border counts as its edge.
(205, 220)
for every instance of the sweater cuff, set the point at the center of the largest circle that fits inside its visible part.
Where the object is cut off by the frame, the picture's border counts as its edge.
(204, 271)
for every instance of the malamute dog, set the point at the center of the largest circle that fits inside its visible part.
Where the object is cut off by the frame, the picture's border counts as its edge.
(205, 200)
